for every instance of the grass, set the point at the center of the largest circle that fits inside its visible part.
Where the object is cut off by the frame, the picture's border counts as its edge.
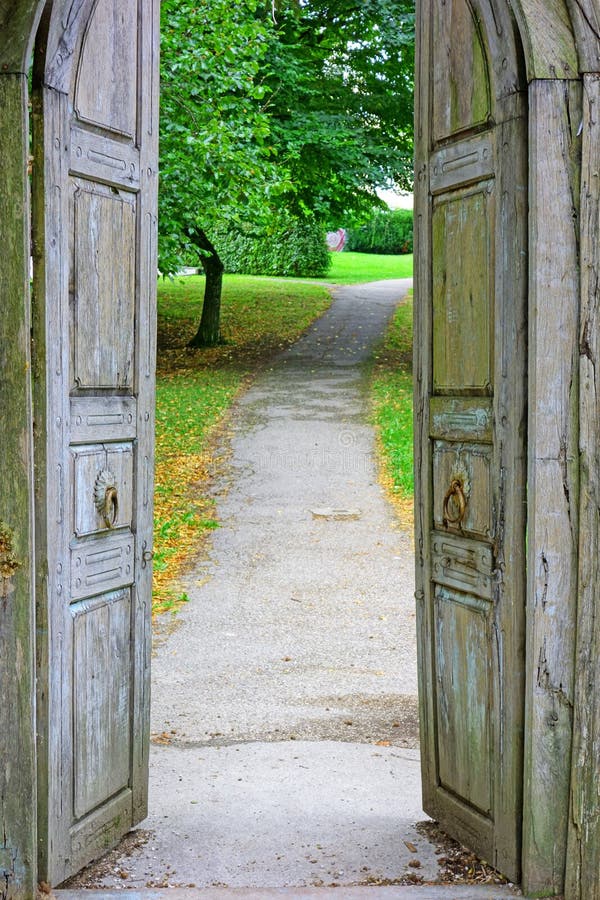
(195, 388)
(354, 268)
(392, 393)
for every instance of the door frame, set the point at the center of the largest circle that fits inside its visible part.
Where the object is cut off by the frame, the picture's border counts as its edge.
(560, 41)
(559, 629)
(94, 253)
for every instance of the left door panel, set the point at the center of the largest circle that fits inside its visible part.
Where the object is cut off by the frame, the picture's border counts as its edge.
(95, 173)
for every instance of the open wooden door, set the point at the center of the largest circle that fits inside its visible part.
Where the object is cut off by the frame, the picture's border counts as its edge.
(95, 176)
(470, 365)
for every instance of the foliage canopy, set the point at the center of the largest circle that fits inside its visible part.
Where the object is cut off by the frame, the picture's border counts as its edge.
(295, 107)
(341, 102)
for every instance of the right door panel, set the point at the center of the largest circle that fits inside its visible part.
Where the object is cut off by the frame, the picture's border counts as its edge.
(470, 367)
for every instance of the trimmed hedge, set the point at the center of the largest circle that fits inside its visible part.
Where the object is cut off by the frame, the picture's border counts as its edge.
(289, 247)
(387, 231)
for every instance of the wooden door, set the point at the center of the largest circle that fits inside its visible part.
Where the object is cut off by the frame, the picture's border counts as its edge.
(95, 137)
(470, 365)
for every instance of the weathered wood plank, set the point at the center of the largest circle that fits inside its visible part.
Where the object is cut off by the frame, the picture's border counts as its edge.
(547, 36)
(470, 359)
(509, 482)
(585, 16)
(18, 20)
(555, 114)
(422, 374)
(472, 464)
(101, 709)
(463, 294)
(95, 275)
(464, 649)
(466, 161)
(95, 155)
(460, 78)
(462, 564)
(17, 623)
(103, 307)
(110, 46)
(457, 418)
(583, 858)
(146, 354)
(50, 363)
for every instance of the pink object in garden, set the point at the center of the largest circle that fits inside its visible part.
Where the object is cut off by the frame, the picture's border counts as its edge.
(336, 240)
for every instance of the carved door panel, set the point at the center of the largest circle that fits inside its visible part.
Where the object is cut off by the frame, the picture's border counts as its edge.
(470, 345)
(95, 276)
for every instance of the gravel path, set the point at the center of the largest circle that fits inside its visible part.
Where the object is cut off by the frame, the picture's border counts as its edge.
(284, 694)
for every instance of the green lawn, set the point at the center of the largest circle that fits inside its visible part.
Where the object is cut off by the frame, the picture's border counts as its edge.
(253, 308)
(353, 268)
(194, 390)
(392, 395)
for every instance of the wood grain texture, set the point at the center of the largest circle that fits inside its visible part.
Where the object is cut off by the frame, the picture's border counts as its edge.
(422, 375)
(547, 36)
(17, 623)
(472, 463)
(462, 564)
(509, 480)
(555, 114)
(103, 306)
(18, 23)
(473, 157)
(102, 730)
(462, 298)
(583, 857)
(470, 358)
(94, 328)
(465, 741)
(110, 45)
(50, 365)
(145, 350)
(585, 17)
(461, 82)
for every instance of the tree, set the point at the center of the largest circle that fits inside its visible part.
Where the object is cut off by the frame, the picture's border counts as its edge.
(304, 107)
(215, 157)
(341, 88)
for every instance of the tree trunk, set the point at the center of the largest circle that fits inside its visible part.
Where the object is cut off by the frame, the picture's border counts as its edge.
(209, 330)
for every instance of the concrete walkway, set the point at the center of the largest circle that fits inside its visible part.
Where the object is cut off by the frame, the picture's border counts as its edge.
(284, 695)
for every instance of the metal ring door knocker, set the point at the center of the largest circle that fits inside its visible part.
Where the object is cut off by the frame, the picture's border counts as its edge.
(455, 496)
(106, 497)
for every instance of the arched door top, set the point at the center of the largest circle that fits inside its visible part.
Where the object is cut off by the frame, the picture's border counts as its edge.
(559, 37)
(18, 26)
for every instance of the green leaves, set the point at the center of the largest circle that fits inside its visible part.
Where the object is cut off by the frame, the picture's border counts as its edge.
(308, 113)
(342, 101)
(214, 157)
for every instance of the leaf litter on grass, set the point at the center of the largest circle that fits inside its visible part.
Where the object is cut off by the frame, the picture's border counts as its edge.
(392, 397)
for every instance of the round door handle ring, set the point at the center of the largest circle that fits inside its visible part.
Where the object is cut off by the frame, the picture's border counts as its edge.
(110, 513)
(456, 494)
(106, 497)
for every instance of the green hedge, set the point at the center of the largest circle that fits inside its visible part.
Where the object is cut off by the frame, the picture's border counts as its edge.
(289, 247)
(387, 231)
